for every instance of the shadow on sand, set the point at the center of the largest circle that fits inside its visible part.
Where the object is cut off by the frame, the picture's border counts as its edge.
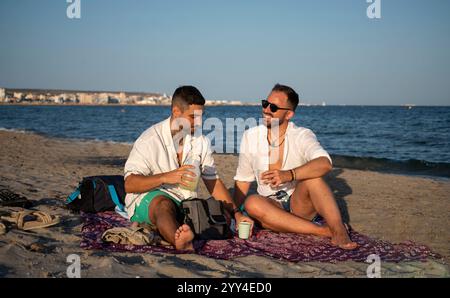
(340, 189)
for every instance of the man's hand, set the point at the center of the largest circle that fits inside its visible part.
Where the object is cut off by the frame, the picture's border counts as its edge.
(239, 217)
(276, 177)
(181, 176)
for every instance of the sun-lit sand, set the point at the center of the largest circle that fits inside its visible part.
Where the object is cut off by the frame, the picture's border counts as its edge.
(391, 207)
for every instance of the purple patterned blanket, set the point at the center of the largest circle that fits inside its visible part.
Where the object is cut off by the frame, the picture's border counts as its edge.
(283, 246)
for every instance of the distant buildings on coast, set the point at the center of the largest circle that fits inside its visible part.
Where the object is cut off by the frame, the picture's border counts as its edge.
(91, 98)
(61, 97)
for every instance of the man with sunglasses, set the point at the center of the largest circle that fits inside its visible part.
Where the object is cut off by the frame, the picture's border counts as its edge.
(288, 163)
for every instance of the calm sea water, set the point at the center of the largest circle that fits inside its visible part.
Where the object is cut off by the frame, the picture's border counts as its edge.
(416, 140)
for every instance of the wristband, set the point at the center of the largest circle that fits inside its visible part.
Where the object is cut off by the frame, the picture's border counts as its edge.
(293, 175)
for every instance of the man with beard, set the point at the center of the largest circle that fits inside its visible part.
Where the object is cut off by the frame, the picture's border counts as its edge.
(157, 177)
(289, 164)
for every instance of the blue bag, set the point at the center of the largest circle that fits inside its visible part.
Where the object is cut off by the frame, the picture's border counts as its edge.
(97, 194)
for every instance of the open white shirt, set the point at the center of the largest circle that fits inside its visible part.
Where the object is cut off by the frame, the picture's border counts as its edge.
(154, 153)
(300, 147)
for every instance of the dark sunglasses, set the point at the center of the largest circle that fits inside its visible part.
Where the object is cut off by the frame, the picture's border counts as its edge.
(273, 107)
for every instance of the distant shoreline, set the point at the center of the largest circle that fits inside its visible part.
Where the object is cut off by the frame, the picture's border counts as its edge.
(110, 104)
(209, 105)
(59, 91)
(84, 97)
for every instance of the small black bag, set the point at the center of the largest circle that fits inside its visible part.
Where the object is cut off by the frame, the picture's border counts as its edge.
(206, 218)
(97, 194)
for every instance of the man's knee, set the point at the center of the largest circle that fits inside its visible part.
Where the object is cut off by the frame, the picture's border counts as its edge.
(253, 205)
(307, 184)
(160, 204)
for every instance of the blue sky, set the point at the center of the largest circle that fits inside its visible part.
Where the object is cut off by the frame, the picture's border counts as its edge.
(327, 50)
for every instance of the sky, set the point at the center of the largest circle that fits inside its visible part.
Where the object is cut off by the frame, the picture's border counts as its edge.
(327, 50)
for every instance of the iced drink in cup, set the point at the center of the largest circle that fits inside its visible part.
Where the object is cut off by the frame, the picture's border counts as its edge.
(193, 160)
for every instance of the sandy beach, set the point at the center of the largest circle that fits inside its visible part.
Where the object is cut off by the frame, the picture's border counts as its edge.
(390, 207)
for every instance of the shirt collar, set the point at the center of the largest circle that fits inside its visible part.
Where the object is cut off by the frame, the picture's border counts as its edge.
(166, 133)
(168, 141)
(264, 131)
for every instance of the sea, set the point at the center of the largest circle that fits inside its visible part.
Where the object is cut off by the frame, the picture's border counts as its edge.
(413, 140)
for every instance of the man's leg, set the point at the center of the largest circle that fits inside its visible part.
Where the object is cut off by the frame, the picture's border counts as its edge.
(313, 196)
(272, 217)
(162, 213)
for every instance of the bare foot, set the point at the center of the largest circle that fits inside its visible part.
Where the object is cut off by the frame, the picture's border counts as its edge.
(325, 231)
(341, 238)
(183, 238)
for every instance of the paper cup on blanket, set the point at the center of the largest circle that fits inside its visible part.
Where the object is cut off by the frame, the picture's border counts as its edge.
(244, 230)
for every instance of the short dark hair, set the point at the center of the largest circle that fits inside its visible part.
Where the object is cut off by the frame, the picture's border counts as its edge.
(290, 93)
(185, 96)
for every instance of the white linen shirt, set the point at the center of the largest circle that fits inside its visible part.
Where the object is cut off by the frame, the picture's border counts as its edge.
(300, 147)
(154, 153)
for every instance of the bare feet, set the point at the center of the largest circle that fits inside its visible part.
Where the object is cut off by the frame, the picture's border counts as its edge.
(324, 231)
(183, 238)
(341, 238)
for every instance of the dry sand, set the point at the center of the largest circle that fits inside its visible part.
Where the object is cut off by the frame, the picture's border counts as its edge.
(391, 207)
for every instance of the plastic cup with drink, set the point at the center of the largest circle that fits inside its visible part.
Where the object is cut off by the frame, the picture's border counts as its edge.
(193, 160)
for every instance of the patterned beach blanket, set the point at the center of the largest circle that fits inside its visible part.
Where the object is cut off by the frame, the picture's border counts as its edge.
(282, 246)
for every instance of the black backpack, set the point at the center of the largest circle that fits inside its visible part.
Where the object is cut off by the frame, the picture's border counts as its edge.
(97, 194)
(206, 218)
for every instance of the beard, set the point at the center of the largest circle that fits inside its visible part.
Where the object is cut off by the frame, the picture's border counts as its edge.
(270, 121)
